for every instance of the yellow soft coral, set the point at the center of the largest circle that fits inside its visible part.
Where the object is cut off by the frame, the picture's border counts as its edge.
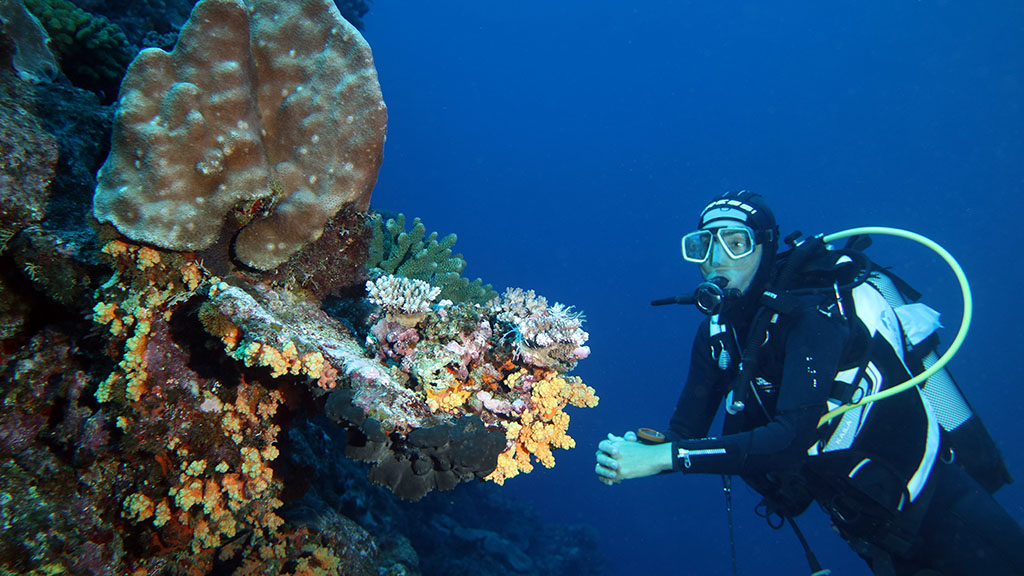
(544, 425)
(145, 289)
(447, 398)
(138, 506)
(217, 500)
(287, 360)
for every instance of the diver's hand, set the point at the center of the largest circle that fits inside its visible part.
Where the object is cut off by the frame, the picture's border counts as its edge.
(623, 457)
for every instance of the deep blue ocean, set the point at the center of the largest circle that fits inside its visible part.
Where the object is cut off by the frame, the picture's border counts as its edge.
(571, 144)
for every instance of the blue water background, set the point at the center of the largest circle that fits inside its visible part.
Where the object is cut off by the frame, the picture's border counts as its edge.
(570, 144)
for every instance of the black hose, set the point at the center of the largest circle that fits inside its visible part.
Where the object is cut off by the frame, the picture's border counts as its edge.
(797, 259)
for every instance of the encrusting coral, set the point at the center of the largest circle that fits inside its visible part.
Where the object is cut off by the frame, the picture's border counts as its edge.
(266, 111)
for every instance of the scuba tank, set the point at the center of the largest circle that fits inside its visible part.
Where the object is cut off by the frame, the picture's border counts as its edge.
(966, 441)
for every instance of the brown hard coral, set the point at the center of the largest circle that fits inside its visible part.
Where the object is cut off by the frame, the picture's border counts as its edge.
(267, 111)
(437, 457)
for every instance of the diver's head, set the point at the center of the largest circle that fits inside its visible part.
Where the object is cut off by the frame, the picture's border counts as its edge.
(735, 243)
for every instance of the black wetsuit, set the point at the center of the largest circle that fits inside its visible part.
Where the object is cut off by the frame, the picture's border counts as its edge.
(915, 512)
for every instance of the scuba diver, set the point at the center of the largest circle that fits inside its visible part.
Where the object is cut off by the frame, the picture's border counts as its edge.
(907, 480)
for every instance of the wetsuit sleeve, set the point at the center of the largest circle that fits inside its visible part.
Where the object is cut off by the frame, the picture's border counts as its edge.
(705, 387)
(813, 350)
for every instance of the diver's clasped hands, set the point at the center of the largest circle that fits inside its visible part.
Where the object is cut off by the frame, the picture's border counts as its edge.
(623, 457)
(607, 467)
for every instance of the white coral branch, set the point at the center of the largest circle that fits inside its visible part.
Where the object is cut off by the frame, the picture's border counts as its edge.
(401, 296)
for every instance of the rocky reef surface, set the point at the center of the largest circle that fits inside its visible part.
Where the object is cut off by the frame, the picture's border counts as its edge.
(229, 363)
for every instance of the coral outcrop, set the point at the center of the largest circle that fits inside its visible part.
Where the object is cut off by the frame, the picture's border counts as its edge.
(266, 111)
(156, 392)
(470, 359)
(427, 370)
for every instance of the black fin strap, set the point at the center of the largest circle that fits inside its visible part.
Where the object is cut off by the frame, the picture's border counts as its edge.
(812, 560)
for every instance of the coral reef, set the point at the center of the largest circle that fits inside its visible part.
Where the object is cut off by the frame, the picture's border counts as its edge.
(430, 366)
(333, 265)
(45, 187)
(192, 145)
(55, 469)
(208, 477)
(30, 162)
(159, 400)
(92, 51)
(412, 254)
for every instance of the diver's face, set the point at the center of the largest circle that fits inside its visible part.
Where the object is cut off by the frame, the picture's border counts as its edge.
(739, 272)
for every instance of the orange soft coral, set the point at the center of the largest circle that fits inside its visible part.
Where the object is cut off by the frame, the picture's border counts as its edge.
(543, 426)
(146, 286)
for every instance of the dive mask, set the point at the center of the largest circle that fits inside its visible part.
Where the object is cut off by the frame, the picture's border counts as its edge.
(738, 242)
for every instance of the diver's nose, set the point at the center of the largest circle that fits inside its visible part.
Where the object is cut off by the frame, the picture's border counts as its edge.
(718, 255)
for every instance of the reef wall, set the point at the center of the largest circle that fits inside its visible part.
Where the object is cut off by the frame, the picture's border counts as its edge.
(160, 360)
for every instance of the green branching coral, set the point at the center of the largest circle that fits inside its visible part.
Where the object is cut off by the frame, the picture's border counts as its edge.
(413, 254)
(93, 51)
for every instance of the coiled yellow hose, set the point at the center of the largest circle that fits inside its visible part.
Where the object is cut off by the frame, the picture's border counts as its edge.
(965, 323)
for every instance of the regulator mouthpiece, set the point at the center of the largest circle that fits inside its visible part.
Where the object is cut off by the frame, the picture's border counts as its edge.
(709, 296)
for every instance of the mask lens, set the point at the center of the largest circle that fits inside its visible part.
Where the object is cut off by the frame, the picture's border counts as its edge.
(697, 246)
(738, 242)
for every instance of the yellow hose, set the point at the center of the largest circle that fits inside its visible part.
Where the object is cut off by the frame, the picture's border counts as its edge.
(960, 335)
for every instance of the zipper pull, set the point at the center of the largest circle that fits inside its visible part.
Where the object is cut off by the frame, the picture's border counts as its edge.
(685, 455)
